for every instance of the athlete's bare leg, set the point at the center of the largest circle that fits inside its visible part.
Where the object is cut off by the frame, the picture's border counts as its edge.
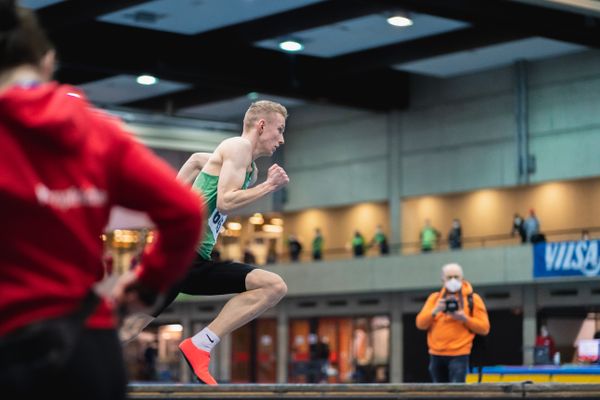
(264, 290)
(133, 325)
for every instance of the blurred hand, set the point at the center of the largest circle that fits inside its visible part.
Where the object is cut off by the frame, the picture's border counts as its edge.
(458, 315)
(130, 295)
(440, 307)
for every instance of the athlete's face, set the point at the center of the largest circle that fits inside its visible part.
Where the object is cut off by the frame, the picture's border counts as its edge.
(271, 130)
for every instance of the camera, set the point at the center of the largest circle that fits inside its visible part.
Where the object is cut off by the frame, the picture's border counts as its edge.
(451, 306)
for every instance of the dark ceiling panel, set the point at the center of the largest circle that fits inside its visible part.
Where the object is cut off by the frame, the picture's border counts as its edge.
(224, 63)
(66, 14)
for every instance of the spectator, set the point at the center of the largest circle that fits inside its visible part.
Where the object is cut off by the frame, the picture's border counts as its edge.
(272, 252)
(319, 359)
(149, 371)
(358, 244)
(429, 237)
(545, 340)
(362, 352)
(585, 235)
(249, 257)
(317, 245)
(451, 318)
(65, 166)
(518, 227)
(455, 235)
(531, 227)
(295, 248)
(380, 240)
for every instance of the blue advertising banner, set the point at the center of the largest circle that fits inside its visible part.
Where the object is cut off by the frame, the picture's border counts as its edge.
(566, 259)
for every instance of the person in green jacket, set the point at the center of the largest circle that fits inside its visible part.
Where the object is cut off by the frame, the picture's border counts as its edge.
(380, 240)
(429, 237)
(358, 244)
(317, 245)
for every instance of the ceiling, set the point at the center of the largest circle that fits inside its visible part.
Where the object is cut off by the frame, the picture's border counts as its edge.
(212, 57)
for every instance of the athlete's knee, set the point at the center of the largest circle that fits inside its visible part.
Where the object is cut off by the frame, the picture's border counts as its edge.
(278, 289)
(274, 288)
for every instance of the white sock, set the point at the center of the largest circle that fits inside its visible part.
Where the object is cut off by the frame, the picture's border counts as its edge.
(205, 339)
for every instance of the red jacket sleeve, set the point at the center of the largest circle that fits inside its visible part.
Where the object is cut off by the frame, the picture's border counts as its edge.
(146, 183)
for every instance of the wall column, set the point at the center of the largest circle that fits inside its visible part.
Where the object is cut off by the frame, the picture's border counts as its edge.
(394, 180)
(396, 339)
(282, 343)
(529, 324)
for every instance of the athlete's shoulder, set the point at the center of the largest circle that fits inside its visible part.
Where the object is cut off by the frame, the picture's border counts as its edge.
(238, 143)
(236, 147)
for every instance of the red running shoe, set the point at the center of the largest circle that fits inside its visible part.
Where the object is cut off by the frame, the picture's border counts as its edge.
(198, 361)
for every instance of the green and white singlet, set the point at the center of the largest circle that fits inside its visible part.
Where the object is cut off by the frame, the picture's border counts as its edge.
(207, 185)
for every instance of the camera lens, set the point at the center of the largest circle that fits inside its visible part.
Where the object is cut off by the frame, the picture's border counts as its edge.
(451, 306)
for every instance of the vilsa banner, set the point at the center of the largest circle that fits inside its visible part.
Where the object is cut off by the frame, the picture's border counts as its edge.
(579, 258)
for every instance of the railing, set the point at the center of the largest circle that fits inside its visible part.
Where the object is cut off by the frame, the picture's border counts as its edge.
(344, 253)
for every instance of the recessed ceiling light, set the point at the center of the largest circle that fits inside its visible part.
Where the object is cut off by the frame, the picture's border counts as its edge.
(399, 20)
(146, 80)
(291, 45)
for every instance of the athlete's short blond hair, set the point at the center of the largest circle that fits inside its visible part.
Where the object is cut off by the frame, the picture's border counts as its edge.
(260, 109)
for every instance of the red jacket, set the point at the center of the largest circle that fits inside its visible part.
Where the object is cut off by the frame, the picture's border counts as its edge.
(63, 165)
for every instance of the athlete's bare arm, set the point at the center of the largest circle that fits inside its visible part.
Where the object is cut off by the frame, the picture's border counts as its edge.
(192, 167)
(236, 156)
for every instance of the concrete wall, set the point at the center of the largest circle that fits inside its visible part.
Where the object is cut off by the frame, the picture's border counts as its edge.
(565, 117)
(458, 135)
(496, 266)
(335, 157)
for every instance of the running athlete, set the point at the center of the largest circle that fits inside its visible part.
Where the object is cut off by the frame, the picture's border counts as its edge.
(224, 178)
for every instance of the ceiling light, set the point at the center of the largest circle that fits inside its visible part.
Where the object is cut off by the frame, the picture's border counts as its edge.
(291, 46)
(277, 221)
(272, 228)
(256, 219)
(146, 80)
(399, 20)
(234, 226)
(252, 96)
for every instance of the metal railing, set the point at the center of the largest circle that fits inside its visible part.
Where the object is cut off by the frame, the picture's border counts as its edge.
(469, 242)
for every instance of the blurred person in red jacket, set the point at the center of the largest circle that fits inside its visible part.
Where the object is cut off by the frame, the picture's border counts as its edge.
(64, 166)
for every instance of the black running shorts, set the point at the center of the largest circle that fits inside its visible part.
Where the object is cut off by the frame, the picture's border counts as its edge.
(210, 278)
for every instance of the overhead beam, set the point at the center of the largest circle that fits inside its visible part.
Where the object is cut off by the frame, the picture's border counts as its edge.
(299, 19)
(427, 47)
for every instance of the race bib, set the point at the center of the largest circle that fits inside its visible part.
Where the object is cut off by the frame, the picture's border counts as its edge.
(215, 222)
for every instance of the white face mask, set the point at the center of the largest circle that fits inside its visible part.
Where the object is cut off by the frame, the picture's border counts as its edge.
(453, 285)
